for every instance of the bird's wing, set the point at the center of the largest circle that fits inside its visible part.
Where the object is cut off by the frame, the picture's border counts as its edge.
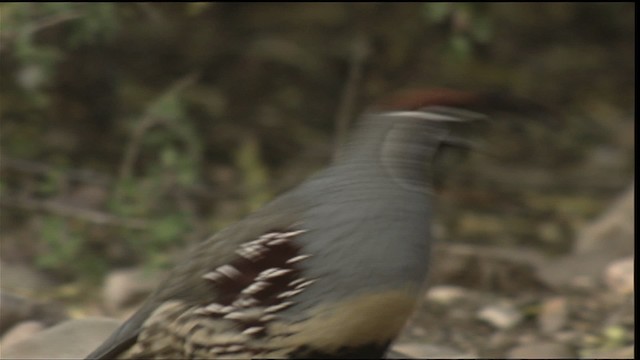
(204, 277)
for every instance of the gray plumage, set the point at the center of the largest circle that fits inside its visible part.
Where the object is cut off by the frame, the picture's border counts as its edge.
(359, 239)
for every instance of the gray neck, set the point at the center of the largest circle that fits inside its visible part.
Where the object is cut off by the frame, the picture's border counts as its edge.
(400, 147)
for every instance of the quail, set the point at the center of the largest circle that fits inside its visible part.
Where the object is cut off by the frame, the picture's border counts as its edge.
(330, 269)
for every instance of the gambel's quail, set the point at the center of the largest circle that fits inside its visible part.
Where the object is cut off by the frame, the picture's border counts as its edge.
(330, 269)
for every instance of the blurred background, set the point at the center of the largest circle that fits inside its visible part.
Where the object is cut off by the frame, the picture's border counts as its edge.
(130, 130)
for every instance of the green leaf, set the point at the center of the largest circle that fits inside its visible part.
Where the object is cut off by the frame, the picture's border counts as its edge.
(169, 229)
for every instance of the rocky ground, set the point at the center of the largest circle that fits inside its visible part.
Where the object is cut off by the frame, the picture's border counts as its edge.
(483, 302)
(524, 305)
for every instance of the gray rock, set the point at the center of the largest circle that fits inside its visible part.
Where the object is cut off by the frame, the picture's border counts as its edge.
(15, 309)
(541, 350)
(21, 331)
(553, 315)
(73, 339)
(612, 232)
(126, 287)
(446, 294)
(501, 316)
(619, 276)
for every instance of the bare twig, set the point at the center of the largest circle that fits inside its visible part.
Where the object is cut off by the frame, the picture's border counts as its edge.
(41, 24)
(133, 147)
(149, 120)
(55, 20)
(359, 54)
(58, 208)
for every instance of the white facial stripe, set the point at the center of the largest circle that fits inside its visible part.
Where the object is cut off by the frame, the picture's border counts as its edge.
(439, 113)
(456, 112)
(422, 115)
